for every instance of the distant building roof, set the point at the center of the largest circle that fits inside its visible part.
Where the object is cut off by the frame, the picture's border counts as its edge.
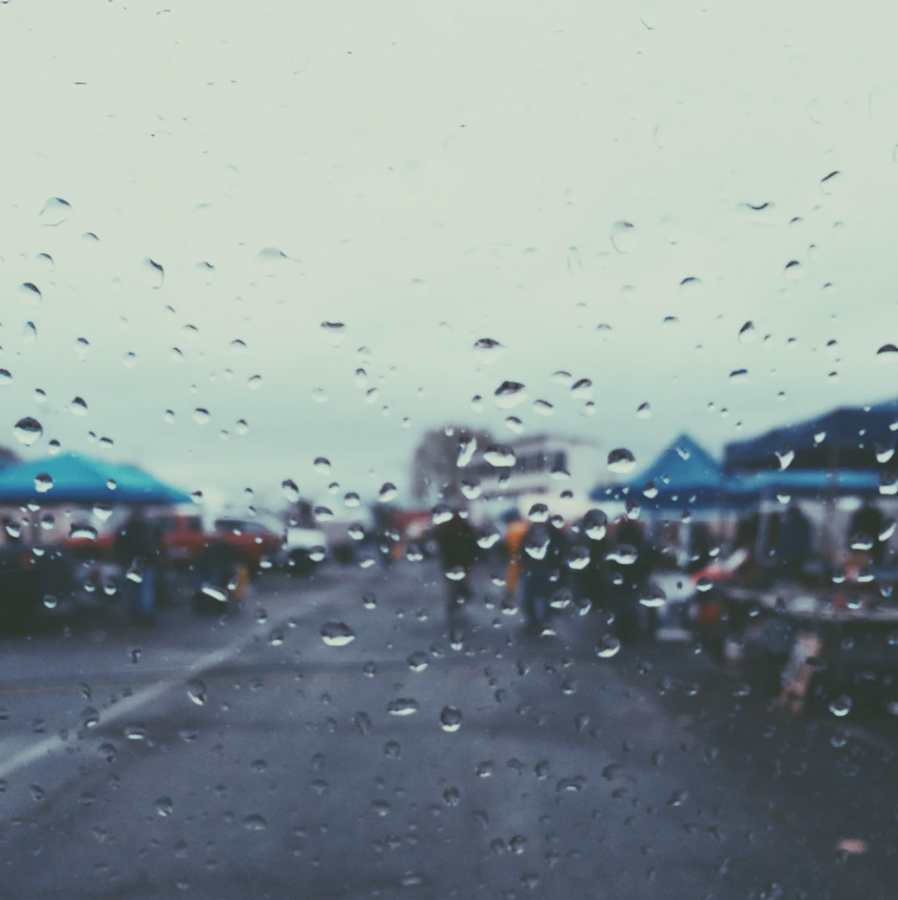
(684, 474)
(843, 438)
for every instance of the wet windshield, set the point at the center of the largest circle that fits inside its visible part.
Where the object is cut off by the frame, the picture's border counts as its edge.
(448, 451)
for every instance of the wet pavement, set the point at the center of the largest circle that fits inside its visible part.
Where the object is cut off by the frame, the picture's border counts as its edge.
(339, 738)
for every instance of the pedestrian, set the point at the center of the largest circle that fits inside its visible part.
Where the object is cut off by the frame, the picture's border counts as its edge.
(793, 547)
(515, 533)
(629, 567)
(220, 575)
(138, 549)
(457, 543)
(541, 562)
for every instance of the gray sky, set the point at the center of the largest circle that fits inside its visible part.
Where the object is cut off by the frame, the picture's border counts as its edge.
(438, 175)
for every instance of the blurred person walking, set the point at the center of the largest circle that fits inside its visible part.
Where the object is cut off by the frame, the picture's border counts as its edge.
(541, 561)
(138, 549)
(457, 544)
(630, 565)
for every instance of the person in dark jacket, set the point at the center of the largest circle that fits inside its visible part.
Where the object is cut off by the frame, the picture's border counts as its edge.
(541, 566)
(629, 566)
(457, 544)
(138, 548)
(793, 547)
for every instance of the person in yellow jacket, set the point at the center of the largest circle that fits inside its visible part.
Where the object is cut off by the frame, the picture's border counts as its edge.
(514, 544)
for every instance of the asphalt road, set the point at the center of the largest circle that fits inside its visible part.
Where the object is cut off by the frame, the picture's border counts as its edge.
(338, 738)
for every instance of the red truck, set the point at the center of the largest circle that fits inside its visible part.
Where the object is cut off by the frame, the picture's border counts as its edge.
(183, 538)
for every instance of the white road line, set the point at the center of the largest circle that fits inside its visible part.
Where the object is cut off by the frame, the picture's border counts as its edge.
(129, 705)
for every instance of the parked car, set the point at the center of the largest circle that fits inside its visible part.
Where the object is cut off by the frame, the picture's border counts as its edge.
(254, 541)
(184, 539)
(303, 548)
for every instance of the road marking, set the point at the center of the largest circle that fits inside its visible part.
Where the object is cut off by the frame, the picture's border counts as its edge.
(129, 705)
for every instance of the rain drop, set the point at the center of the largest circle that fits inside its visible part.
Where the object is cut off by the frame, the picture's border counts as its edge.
(30, 294)
(450, 718)
(499, 456)
(509, 394)
(621, 461)
(582, 390)
(623, 237)
(27, 431)
(334, 333)
(336, 634)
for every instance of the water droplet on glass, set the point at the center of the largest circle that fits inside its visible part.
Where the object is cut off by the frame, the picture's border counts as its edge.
(387, 492)
(402, 706)
(450, 718)
(102, 511)
(794, 270)
(488, 351)
(30, 294)
(78, 407)
(164, 806)
(513, 423)
(255, 822)
(739, 376)
(623, 237)
(351, 499)
(785, 455)
(334, 333)
(290, 489)
(499, 456)
(201, 416)
(888, 484)
(157, 272)
(543, 408)
(196, 691)
(27, 431)
(887, 353)
(509, 394)
(56, 210)
(840, 706)
(607, 647)
(417, 662)
(643, 411)
(337, 634)
(241, 427)
(595, 524)
(747, 333)
(43, 483)
(829, 183)
(254, 382)
(691, 288)
(621, 461)
(582, 390)
(322, 465)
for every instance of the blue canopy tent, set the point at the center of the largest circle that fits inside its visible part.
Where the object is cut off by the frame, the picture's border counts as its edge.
(685, 475)
(802, 482)
(72, 478)
(844, 438)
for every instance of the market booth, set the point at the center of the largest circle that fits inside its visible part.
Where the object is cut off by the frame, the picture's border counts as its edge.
(52, 505)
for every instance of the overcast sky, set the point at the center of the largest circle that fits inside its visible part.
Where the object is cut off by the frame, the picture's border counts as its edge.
(430, 175)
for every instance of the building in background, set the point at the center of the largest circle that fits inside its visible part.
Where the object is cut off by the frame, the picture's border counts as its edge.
(547, 468)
